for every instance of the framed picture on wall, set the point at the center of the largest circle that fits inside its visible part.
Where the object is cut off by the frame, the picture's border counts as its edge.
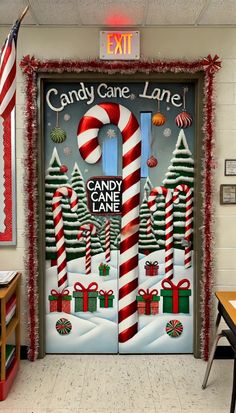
(7, 181)
(227, 194)
(230, 167)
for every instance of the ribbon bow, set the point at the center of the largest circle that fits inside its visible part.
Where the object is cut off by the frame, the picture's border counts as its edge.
(59, 295)
(29, 64)
(212, 64)
(147, 296)
(92, 287)
(167, 284)
(106, 295)
(150, 263)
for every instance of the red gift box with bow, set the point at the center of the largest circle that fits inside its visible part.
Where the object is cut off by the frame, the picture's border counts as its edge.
(60, 301)
(148, 302)
(151, 268)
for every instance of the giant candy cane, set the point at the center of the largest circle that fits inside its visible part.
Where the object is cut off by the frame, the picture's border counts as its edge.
(188, 219)
(160, 190)
(61, 192)
(90, 151)
(107, 240)
(88, 229)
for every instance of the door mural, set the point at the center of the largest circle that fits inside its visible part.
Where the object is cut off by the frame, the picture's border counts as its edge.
(119, 182)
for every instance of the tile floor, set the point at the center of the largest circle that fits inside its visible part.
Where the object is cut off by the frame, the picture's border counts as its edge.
(119, 384)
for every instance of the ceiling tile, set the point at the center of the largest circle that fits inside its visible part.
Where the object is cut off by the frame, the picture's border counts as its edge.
(56, 12)
(173, 12)
(111, 12)
(10, 10)
(220, 12)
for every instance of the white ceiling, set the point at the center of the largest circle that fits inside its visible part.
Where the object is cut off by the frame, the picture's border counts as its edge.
(127, 13)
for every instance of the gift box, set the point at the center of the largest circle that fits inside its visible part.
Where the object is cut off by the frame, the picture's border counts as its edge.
(85, 297)
(151, 268)
(60, 301)
(176, 297)
(104, 269)
(148, 302)
(106, 298)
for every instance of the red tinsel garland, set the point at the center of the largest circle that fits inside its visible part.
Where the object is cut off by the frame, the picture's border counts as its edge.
(31, 67)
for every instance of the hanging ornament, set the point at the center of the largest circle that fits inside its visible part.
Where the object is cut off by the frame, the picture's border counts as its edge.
(158, 118)
(174, 328)
(57, 134)
(152, 162)
(63, 168)
(184, 119)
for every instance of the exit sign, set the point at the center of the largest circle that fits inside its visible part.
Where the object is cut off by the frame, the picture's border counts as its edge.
(122, 45)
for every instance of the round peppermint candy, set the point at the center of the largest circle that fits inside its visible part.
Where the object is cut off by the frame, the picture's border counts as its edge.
(174, 328)
(63, 326)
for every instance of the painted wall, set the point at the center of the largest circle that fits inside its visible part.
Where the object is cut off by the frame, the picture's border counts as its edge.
(157, 43)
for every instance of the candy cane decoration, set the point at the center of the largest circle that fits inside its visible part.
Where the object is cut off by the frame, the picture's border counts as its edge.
(107, 241)
(167, 193)
(90, 150)
(149, 226)
(62, 279)
(188, 219)
(87, 230)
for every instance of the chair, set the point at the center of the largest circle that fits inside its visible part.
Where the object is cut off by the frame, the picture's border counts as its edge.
(232, 340)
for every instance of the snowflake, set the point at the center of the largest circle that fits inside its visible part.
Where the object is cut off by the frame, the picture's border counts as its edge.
(168, 108)
(111, 133)
(167, 132)
(66, 117)
(49, 123)
(86, 170)
(67, 151)
(132, 96)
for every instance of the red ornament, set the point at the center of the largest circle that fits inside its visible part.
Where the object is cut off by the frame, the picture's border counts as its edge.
(63, 168)
(183, 120)
(152, 162)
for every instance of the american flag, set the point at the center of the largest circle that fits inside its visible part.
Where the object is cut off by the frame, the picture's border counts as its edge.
(8, 73)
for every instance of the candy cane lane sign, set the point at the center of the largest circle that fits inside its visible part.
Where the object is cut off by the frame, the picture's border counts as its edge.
(104, 195)
(122, 45)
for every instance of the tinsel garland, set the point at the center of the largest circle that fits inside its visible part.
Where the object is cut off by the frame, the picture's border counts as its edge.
(31, 67)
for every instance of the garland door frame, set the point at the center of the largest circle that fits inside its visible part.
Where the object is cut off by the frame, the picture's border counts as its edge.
(198, 80)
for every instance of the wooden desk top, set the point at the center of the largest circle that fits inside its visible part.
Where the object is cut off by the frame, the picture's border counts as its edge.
(5, 291)
(225, 297)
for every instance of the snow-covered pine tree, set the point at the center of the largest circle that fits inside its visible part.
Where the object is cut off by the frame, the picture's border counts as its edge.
(54, 179)
(147, 242)
(159, 221)
(77, 183)
(116, 245)
(181, 171)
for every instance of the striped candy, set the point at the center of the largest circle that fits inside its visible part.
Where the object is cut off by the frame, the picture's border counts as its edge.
(88, 229)
(107, 241)
(188, 219)
(90, 150)
(174, 328)
(62, 279)
(160, 190)
(149, 226)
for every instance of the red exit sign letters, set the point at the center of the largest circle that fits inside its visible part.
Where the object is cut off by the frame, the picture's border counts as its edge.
(122, 45)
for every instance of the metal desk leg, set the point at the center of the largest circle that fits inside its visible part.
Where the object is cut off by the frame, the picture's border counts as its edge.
(211, 357)
(233, 398)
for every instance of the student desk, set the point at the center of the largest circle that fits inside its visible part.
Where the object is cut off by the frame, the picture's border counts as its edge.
(228, 312)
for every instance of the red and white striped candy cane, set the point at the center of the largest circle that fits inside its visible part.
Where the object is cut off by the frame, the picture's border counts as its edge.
(149, 226)
(107, 241)
(62, 279)
(87, 230)
(188, 219)
(167, 193)
(90, 150)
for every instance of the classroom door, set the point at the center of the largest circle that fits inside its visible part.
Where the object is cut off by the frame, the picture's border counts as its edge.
(119, 179)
